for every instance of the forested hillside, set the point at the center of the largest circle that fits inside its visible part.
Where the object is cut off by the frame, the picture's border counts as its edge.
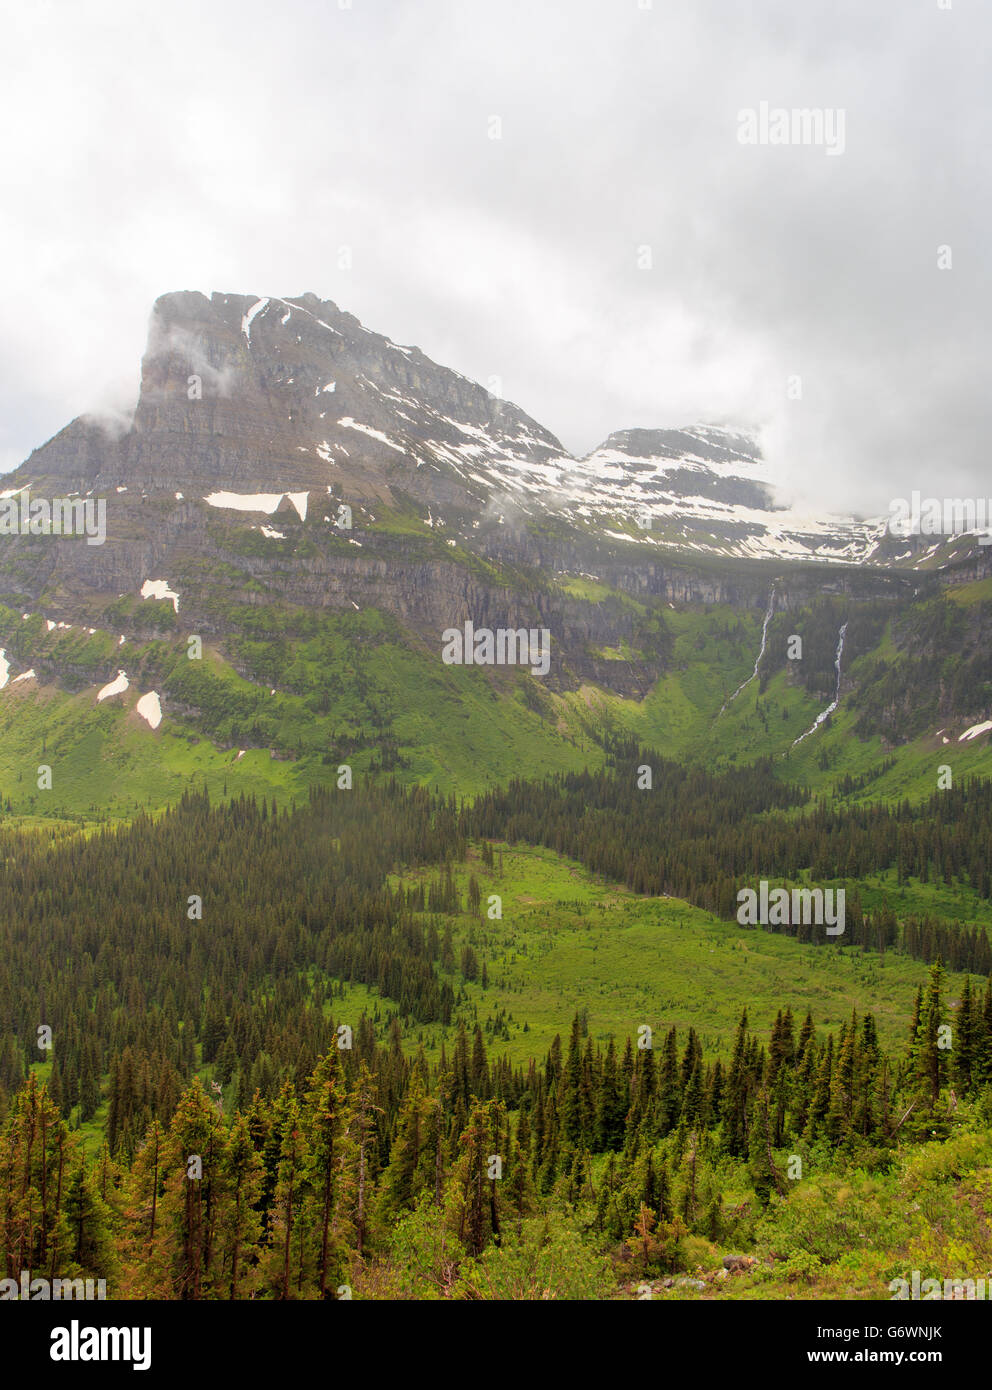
(377, 1175)
(245, 1049)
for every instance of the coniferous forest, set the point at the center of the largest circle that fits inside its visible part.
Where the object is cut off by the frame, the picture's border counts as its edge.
(212, 1120)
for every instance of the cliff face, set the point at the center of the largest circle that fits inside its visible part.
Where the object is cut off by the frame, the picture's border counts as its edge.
(269, 395)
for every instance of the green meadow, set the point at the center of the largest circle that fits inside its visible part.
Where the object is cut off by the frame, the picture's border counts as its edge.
(568, 942)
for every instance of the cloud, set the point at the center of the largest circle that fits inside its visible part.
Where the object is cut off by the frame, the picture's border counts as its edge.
(616, 256)
(165, 341)
(113, 424)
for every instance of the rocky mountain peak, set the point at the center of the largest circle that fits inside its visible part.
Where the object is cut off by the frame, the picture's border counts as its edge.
(246, 398)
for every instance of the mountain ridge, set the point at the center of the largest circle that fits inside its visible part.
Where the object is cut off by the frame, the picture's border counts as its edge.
(294, 394)
(267, 396)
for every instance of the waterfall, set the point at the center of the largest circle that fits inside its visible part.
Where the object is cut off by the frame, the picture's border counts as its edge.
(761, 652)
(836, 700)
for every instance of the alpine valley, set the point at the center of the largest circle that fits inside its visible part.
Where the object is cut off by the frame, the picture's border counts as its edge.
(298, 891)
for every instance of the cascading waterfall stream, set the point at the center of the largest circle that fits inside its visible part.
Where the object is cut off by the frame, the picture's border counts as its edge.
(825, 714)
(761, 652)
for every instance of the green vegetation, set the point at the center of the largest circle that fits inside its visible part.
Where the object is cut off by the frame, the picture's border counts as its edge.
(344, 1012)
(351, 922)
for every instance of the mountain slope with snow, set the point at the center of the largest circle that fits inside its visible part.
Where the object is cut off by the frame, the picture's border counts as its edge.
(259, 407)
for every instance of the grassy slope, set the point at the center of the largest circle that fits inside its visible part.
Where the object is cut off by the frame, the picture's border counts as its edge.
(454, 731)
(568, 942)
(355, 682)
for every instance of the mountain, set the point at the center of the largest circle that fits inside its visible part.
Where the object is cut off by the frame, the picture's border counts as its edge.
(704, 490)
(246, 402)
(318, 505)
(298, 516)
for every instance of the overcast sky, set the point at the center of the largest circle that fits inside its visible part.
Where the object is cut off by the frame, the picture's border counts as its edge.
(237, 146)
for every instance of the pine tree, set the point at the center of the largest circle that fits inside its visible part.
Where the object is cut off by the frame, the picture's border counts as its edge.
(475, 1202)
(400, 1187)
(323, 1118)
(89, 1250)
(966, 1039)
(735, 1101)
(241, 1227)
(288, 1197)
(926, 1055)
(611, 1104)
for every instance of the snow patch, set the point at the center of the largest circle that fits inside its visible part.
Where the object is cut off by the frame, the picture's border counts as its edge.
(116, 687)
(158, 588)
(150, 708)
(245, 501)
(349, 424)
(258, 307)
(975, 730)
(300, 309)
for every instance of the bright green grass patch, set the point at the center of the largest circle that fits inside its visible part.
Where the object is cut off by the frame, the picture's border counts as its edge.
(568, 943)
(978, 592)
(952, 902)
(594, 591)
